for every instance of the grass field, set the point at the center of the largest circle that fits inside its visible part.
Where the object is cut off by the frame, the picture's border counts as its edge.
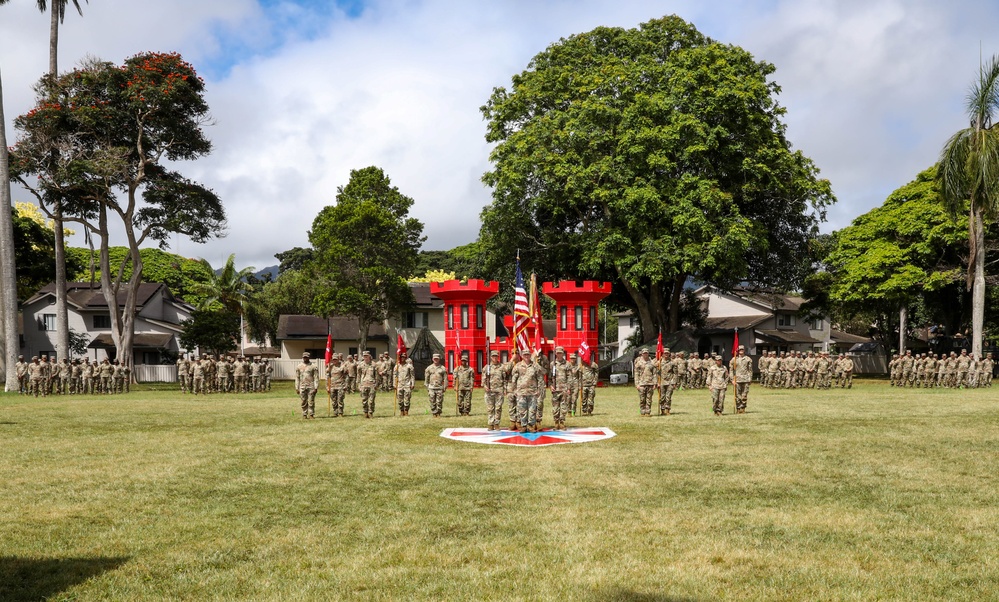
(867, 494)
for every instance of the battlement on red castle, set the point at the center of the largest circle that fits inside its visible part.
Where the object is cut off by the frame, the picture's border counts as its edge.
(472, 289)
(588, 290)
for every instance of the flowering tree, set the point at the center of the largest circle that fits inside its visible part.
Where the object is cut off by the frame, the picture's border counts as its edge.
(97, 140)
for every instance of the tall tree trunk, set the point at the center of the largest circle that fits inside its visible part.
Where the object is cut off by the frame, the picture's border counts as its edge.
(903, 320)
(62, 314)
(9, 345)
(362, 335)
(978, 286)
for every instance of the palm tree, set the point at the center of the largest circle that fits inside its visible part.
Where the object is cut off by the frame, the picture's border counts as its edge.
(8, 295)
(228, 287)
(57, 13)
(968, 175)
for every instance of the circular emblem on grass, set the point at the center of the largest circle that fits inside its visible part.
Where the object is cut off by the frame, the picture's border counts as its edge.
(540, 438)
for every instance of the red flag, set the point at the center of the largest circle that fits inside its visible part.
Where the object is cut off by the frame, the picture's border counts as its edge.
(584, 352)
(735, 344)
(659, 345)
(400, 348)
(329, 347)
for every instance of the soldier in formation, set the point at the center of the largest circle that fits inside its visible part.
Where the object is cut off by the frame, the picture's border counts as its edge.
(718, 384)
(528, 380)
(742, 374)
(494, 381)
(669, 380)
(646, 377)
(405, 380)
(588, 376)
(336, 384)
(559, 382)
(464, 382)
(306, 384)
(435, 380)
(367, 382)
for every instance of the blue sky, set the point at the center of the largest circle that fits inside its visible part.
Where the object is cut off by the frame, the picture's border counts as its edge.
(304, 91)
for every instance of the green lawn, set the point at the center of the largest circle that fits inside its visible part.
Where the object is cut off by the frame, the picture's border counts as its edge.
(867, 494)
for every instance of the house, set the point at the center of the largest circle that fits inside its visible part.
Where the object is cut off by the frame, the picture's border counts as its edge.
(765, 322)
(158, 317)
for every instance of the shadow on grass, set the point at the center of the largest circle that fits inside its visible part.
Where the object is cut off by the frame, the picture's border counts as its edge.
(7, 423)
(23, 579)
(624, 595)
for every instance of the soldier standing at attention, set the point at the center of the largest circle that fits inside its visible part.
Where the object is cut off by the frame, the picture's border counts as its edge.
(36, 377)
(742, 373)
(367, 382)
(306, 383)
(573, 396)
(494, 379)
(464, 381)
(222, 375)
(197, 378)
(255, 374)
(511, 393)
(351, 366)
(645, 382)
(405, 380)
(528, 380)
(182, 367)
(588, 375)
(718, 383)
(21, 369)
(669, 379)
(435, 380)
(336, 384)
(963, 364)
(542, 361)
(268, 373)
(559, 384)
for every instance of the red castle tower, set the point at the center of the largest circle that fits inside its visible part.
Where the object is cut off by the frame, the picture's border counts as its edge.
(577, 318)
(465, 321)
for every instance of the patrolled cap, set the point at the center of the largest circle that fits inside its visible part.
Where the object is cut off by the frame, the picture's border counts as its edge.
(645, 351)
(742, 347)
(560, 349)
(437, 356)
(367, 353)
(494, 353)
(304, 355)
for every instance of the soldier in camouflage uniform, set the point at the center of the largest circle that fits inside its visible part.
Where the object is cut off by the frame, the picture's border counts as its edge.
(742, 374)
(306, 385)
(21, 369)
(494, 381)
(718, 384)
(222, 375)
(511, 393)
(681, 370)
(351, 367)
(464, 382)
(336, 384)
(405, 379)
(528, 380)
(963, 364)
(645, 375)
(561, 374)
(845, 370)
(823, 371)
(435, 380)
(668, 378)
(588, 374)
(986, 368)
(542, 360)
(36, 377)
(367, 381)
(693, 367)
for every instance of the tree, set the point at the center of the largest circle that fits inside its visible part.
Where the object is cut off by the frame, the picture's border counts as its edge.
(293, 259)
(100, 143)
(292, 293)
(9, 343)
(57, 16)
(968, 176)
(34, 253)
(648, 156)
(211, 330)
(365, 248)
(893, 258)
(227, 288)
(181, 274)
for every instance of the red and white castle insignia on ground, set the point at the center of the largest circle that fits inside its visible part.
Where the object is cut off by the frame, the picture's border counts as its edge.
(543, 437)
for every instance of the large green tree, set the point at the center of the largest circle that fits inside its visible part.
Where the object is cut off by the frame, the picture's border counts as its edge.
(103, 140)
(365, 248)
(896, 257)
(292, 293)
(213, 331)
(648, 156)
(227, 288)
(969, 180)
(184, 276)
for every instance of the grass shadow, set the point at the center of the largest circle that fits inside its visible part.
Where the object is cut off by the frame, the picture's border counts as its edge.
(619, 594)
(23, 579)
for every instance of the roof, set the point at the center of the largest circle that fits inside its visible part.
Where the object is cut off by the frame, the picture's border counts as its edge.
(770, 300)
(141, 340)
(84, 295)
(341, 328)
(787, 336)
(838, 336)
(422, 296)
(730, 323)
(256, 350)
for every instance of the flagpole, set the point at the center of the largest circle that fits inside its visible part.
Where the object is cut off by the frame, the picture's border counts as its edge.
(659, 370)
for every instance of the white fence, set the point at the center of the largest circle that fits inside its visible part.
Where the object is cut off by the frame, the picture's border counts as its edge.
(156, 373)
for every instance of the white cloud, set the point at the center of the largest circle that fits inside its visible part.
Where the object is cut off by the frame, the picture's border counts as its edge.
(872, 91)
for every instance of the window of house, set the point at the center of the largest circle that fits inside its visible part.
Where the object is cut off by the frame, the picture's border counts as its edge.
(480, 316)
(464, 317)
(416, 319)
(563, 318)
(102, 321)
(633, 322)
(785, 319)
(578, 314)
(478, 361)
(450, 360)
(48, 322)
(593, 318)
(450, 316)
(816, 324)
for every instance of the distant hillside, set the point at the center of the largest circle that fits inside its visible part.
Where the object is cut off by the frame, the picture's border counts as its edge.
(272, 270)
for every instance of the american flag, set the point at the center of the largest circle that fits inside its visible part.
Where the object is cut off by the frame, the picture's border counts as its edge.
(521, 311)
